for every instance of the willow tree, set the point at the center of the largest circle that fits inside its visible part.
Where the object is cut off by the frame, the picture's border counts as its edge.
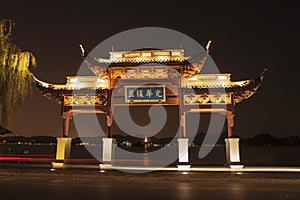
(15, 77)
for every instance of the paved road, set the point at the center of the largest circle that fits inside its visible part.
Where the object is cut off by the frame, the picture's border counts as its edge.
(16, 183)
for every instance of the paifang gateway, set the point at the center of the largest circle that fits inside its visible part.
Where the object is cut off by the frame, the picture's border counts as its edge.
(148, 77)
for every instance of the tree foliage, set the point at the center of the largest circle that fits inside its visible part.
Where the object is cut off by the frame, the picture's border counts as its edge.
(15, 77)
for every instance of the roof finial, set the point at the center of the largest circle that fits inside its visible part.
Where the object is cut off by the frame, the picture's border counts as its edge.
(112, 48)
(83, 54)
(208, 45)
(263, 73)
(203, 60)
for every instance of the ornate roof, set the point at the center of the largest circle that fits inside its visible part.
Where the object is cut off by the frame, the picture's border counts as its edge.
(169, 57)
(202, 84)
(81, 85)
(143, 56)
(240, 90)
(192, 80)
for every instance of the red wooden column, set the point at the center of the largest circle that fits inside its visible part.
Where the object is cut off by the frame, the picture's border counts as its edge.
(109, 121)
(109, 110)
(183, 133)
(230, 122)
(66, 120)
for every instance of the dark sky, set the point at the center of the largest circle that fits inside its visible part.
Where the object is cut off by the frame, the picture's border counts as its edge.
(247, 37)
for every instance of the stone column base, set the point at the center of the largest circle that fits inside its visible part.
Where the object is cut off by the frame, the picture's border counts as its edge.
(108, 150)
(63, 151)
(183, 150)
(233, 153)
(184, 168)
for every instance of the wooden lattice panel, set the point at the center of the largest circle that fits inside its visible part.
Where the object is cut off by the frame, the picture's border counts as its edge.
(217, 98)
(87, 100)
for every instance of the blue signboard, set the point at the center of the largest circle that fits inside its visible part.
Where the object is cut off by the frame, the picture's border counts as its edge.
(145, 93)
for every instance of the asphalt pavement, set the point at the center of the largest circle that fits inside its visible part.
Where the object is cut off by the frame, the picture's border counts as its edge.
(44, 183)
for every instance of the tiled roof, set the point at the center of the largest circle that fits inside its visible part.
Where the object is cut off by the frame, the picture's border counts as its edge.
(239, 91)
(56, 93)
(135, 62)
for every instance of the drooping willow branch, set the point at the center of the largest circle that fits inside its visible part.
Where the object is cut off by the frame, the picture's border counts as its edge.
(15, 77)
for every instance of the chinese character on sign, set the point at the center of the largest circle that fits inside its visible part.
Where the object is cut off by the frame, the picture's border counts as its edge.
(139, 93)
(149, 93)
(158, 93)
(130, 93)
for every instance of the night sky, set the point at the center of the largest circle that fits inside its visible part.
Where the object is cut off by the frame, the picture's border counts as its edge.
(247, 37)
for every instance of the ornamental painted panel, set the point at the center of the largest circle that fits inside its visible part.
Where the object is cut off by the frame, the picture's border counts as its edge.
(141, 73)
(216, 98)
(82, 100)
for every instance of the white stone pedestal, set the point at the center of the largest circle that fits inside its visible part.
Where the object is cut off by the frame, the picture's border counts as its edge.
(108, 150)
(63, 151)
(183, 150)
(233, 153)
(183, 154)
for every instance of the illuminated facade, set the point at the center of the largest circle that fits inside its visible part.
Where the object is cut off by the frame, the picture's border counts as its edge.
(144, 67)
(147, 77)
